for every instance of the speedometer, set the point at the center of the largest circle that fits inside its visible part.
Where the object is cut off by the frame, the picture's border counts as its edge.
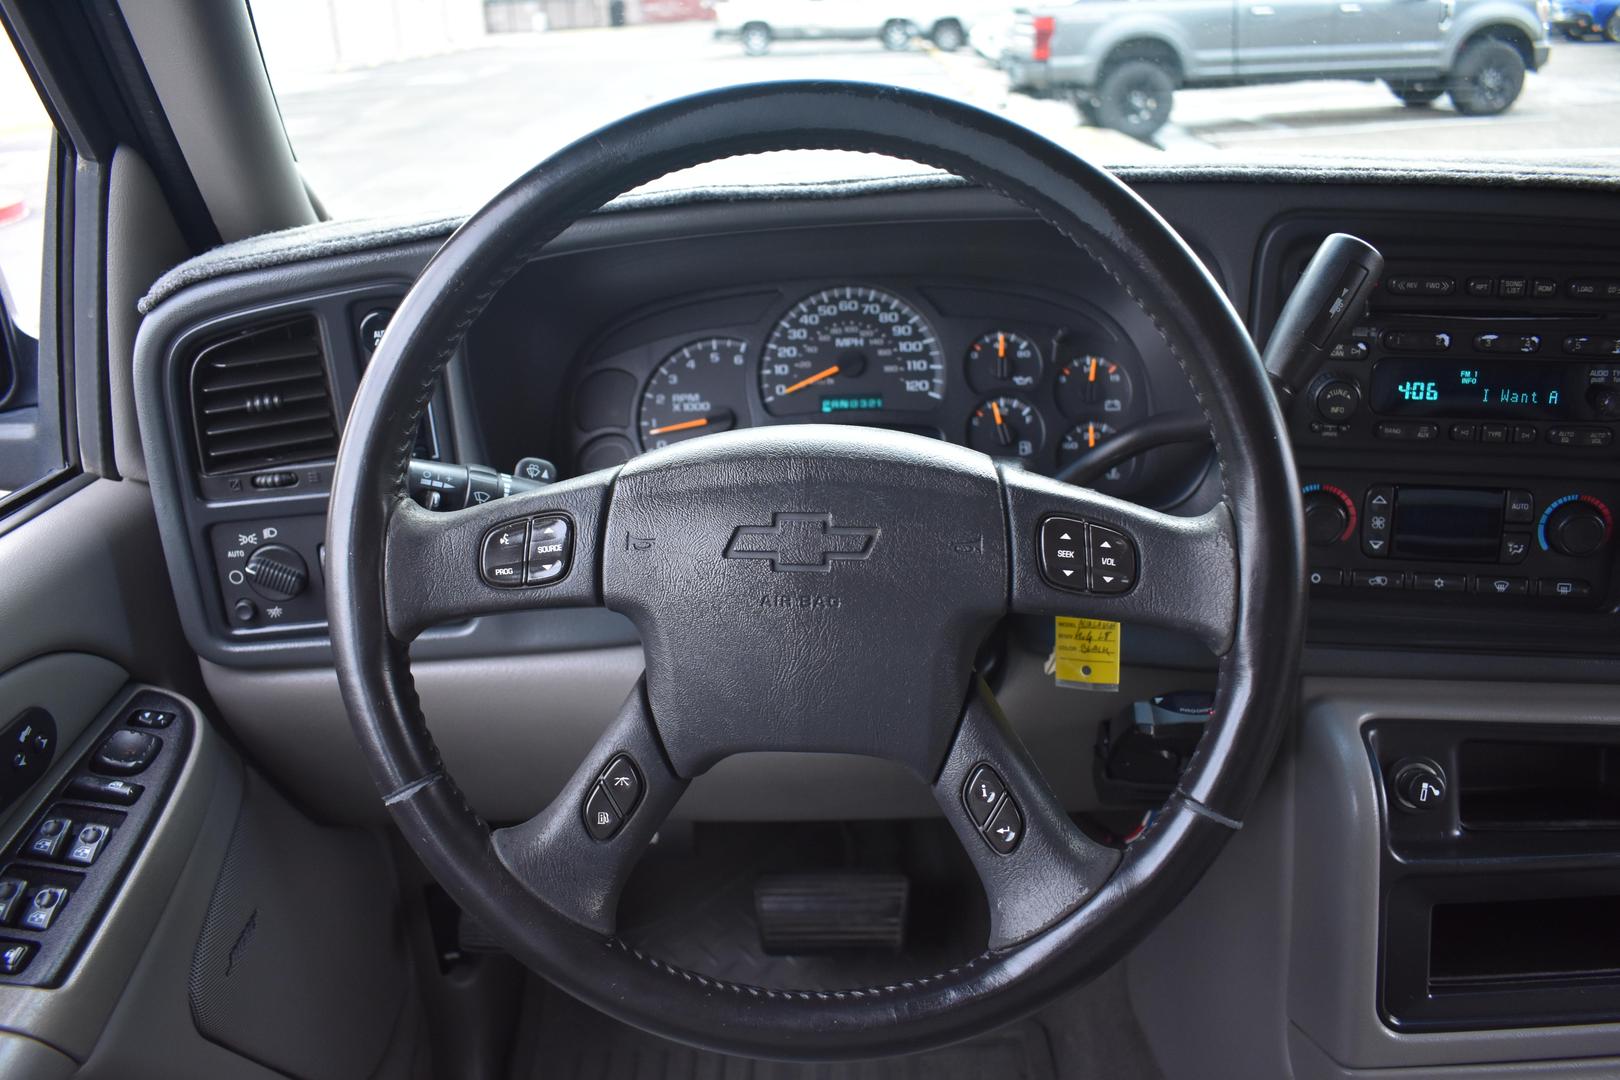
(851, 349)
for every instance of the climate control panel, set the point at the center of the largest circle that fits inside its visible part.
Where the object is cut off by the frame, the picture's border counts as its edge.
(1542, 541)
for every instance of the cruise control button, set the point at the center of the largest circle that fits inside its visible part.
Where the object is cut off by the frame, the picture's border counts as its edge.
(14, 956)
(13, 891)
(87, 844)
(47, 903)
(1500, 585)
(1063, 553)
(49, 837)
(502, 560)
(1006, 829)
(602, 818)
(981, 794)
(550, 545)
(623, 783)
(1113, 561)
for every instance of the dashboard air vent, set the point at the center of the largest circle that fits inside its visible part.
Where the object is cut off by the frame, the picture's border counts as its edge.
(260, 397)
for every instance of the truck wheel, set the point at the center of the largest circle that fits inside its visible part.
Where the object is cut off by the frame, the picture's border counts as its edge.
(756, 39)
(1487, 78)
(1135, 98)
(1416, 94)
(896, 35)
(948, 36)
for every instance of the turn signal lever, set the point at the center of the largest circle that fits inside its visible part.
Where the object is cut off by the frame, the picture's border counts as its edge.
(1332, 293)
(440, 485)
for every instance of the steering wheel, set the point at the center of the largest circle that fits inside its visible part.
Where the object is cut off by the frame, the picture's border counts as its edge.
(817, 588)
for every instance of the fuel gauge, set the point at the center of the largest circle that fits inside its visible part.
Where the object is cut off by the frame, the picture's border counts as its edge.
(999, 360)
(1086, 437)
(1093, 386)
(1006, 426)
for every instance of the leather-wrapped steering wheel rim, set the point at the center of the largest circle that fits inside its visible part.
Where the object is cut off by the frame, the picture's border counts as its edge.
(1253, 544)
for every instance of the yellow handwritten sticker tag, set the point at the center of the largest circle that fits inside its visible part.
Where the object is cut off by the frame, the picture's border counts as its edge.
(1086, 654)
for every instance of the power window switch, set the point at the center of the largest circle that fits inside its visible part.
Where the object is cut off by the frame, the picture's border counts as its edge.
(48, 838)
(87, 844)
(13, 892)
(14, 956)
(104, 789)
(47, 903)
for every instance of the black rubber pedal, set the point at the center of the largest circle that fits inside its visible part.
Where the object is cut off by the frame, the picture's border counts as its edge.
(817, 913)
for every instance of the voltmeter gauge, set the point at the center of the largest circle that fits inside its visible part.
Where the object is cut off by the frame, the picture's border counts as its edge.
(1091, 386)
(1001, 360)
(1007, 426)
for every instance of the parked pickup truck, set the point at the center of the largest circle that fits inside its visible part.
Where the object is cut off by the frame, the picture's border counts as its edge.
(896, 23)
(1121, 61)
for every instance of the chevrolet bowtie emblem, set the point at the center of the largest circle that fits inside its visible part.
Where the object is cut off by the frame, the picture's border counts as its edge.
(800, 543)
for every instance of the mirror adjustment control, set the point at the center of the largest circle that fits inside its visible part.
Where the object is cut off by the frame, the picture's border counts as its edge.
(125, 753)
(502, 561)
(48, 838)
(13, 892)
(42, 910)
(982, 793)
(602, 818)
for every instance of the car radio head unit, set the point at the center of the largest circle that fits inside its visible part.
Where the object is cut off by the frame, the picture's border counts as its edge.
(1508, 389)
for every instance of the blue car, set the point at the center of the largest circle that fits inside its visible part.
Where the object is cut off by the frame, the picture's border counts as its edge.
(1578, 18)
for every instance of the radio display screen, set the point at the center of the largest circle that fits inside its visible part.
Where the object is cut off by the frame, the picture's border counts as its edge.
(1504, 389)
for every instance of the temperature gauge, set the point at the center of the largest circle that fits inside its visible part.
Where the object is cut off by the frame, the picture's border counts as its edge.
(1007, 426)
(1087, 437)
(1093, 386)
(999, 360)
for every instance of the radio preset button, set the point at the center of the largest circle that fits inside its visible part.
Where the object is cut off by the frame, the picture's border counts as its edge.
(1508, 343)
(1515, 546)
(1501, 585)
(1417, 340)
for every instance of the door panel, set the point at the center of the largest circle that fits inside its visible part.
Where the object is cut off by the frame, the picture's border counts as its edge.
(1324, 37)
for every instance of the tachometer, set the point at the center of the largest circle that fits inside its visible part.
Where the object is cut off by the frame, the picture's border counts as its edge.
(697, 390)
(851, 349)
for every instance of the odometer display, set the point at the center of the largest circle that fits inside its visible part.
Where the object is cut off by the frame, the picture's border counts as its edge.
(847, 345)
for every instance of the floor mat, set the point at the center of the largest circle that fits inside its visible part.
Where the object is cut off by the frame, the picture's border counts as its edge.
(577, 1043)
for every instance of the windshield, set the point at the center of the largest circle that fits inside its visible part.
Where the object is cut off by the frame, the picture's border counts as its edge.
(428, 107)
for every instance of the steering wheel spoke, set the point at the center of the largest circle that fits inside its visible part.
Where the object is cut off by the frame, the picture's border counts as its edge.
(535, 549)
(1034, 862)
(1077, 552)
(577, 853)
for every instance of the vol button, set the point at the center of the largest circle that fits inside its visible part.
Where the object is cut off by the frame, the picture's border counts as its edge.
(1113, 561)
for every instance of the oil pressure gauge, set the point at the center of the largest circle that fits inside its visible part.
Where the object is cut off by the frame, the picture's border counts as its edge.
(1001, 360)
(1007, 426)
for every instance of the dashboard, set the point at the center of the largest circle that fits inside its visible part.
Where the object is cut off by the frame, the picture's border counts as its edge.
(1030, 375)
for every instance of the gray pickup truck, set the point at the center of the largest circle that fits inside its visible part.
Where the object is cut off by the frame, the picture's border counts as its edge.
(1121, 61)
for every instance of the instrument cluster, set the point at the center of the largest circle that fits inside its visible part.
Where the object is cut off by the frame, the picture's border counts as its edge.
(1038, 379)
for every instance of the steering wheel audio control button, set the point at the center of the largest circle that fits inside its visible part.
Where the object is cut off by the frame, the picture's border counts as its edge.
(602, 818)
(623, 783)
(1113, 561)
(1006, 829)
(502, 560)
(982, 794)
(551, 542)
(1063, 553)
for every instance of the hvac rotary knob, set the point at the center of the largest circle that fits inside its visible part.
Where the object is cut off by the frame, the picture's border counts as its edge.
(277, 572)
(1325, 518)
(1577, 529)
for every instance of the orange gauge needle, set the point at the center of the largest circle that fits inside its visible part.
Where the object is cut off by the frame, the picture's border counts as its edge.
(684, 425)
(826, 373)
(1091, 435)
(995, 410)
(1091, 372)
(1001, 345)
